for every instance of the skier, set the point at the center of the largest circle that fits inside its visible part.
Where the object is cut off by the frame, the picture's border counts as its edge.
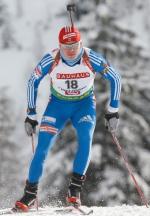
(72, 69)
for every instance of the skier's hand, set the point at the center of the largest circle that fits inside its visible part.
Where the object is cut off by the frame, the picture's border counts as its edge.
(30, 125)
(111, 121)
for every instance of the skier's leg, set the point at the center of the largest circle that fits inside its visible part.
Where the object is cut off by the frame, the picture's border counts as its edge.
(45, 141)
(52, 122)
(84, 122)
(85, 129)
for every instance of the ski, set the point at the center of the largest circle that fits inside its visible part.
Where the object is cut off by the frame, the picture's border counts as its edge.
(14, 211)
(74, 209)
(7, 211)
(60, 211)
(83, 212)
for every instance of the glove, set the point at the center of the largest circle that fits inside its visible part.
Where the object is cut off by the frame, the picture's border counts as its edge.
(111, 121)
(30, 126)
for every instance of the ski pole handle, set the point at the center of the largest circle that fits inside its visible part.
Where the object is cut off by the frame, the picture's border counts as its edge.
(33, 150)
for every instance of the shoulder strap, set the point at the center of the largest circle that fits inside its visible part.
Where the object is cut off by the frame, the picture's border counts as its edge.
(56, 61)
(87, 61)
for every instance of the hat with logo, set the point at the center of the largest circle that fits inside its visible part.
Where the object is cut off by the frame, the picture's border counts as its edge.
(69, 35)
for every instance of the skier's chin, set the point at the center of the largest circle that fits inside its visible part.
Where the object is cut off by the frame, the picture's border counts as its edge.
(71, 56)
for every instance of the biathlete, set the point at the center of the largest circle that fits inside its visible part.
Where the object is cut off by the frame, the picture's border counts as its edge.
(72, 69)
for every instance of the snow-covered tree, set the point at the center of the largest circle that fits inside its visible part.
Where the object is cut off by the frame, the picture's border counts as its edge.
(119, 44)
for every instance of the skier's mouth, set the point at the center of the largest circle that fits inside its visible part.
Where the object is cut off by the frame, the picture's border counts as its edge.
(71, 55)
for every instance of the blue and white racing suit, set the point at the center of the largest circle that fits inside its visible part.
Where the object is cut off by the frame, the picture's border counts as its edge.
(72, 98)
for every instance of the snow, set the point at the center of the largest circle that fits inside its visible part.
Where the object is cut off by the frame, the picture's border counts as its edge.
(13, 73)
(103, 11)
(27, 31)
(123, 210)
(96, 154)
(137, 21)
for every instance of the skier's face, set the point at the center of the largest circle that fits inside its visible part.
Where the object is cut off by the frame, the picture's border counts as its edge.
(71, 51)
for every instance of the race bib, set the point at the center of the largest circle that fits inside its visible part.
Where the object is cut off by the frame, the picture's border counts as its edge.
(71, 82)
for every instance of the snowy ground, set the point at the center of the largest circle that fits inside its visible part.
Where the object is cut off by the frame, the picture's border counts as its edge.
(123, 210)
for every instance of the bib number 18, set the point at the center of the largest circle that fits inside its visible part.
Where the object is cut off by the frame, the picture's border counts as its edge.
(71, 84)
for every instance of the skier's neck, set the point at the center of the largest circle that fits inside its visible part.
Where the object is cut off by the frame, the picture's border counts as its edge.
(74, 61)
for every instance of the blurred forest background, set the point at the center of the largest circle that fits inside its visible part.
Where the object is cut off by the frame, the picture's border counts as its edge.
(120, 30)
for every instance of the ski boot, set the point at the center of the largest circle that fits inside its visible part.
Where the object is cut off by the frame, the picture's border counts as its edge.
(74, 190)
(28, 199)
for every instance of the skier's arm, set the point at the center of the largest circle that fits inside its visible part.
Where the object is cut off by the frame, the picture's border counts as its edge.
(37, 75)
(101, 66)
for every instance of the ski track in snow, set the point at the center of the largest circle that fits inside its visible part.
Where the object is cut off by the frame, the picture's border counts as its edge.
(124, 210)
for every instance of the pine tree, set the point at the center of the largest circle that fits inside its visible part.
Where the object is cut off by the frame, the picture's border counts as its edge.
(118, 45)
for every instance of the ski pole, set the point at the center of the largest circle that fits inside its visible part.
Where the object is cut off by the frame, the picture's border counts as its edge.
(32, 141)
(123, 155)
(33, 150)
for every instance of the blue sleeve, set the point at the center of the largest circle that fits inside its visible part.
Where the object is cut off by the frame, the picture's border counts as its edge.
(100, 65)
(41, 70)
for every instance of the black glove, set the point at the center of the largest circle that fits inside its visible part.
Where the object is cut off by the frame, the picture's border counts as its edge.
(30, 126)
(111, 121)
